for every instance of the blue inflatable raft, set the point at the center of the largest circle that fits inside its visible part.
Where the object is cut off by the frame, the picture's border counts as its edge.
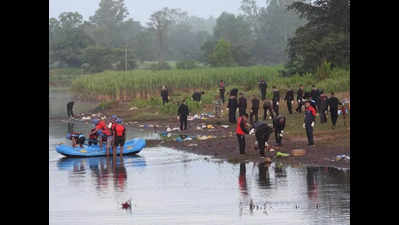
(132, 146)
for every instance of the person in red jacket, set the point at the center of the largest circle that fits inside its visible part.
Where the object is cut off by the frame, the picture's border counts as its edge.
(241, 130)
(119, 137)
(310, 116)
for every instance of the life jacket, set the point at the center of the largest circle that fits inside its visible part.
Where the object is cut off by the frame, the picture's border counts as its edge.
(100, 124)
(120, 130)
(239, 130)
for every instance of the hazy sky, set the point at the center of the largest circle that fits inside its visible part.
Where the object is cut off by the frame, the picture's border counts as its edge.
(142, 9)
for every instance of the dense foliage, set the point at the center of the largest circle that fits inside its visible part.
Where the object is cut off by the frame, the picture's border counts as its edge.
(325, 37)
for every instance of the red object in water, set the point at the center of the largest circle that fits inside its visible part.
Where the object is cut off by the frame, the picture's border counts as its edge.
(126, 205)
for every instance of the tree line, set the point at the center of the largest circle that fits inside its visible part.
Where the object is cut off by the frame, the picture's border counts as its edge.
(300, 34)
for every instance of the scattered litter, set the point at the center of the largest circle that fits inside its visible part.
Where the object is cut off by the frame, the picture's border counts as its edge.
(86, 118)
(192, 145)
(168, 129)
(280, 154)
(340, 157)
(179, 139)
(188, 139)
(210, 126)
(199, 128)
(225, 126)
(176, 128)
(271, 150)
(133, 108)
(141, 125)
(169, 135)
(163, 134)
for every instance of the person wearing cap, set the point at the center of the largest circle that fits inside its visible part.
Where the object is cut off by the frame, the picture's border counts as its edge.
(299, 98)
(119, 137)
(241, 131)
(310, 115)
(276, 100)
(242, 104)
(279, 125)
(262, 134)
(254, 109)
(289, 97)
(262, 87)
(182, 114)
(333, 103)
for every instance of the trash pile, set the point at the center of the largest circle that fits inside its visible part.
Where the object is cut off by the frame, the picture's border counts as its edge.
(201, 116)
(87, 117)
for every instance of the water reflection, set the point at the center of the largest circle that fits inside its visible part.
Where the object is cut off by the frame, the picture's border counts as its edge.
(312, 182)
(242, 185)
(104, 170)
(119, 171)
(280, 170)
(264, 176)
(70, 127)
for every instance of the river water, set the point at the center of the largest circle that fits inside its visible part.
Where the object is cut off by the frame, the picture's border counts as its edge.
(167, 186)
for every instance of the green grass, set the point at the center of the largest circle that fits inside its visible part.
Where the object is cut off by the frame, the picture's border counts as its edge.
(147, 82)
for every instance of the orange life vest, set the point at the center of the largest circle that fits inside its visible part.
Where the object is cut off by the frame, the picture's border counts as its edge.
(120, 129)
(239, 130)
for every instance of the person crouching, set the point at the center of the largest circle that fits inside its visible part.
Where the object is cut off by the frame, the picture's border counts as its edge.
(241, 130)
(262, 134)
(76, 138)
(279, 125)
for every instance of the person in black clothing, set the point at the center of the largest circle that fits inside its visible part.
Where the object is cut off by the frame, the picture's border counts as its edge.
(315, 94)
(289, 97)
(254, 109)
(234, 92)
(232, 105)
(333, 103)
(279, 125)
(299, 99)
(276, 100)
(241, 131)
(242, 105)
(221, 90)
(164, 95)
(267, 108)
(182, 114)
(197, 96)
(262, 134)
(307, 95)
(323, 108)
(263, 87)
(70, 109)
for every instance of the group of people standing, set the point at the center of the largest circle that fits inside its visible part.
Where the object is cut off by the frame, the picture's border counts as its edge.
(314, 101)
(111, 132)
